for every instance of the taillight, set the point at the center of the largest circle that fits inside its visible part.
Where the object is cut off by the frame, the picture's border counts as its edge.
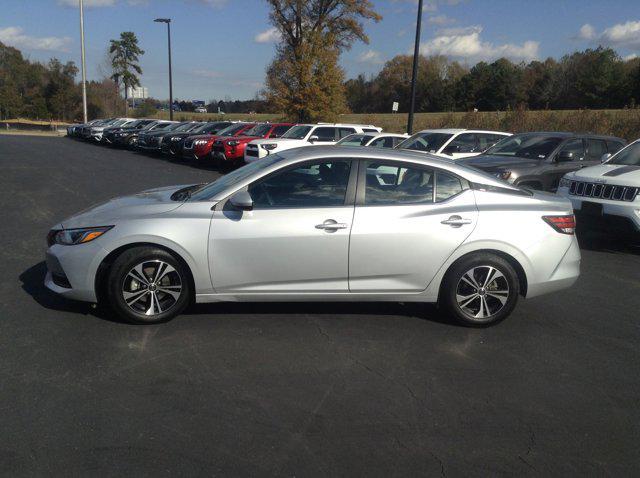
(563, 224)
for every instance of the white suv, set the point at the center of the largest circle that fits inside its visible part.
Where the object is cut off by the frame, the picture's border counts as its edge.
(304, 135)
(607, 196)
(453, 143)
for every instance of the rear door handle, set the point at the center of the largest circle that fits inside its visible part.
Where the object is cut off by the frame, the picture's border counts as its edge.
(331, 225)
(456, 221)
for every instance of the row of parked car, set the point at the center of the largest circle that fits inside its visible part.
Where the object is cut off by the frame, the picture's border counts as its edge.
(602, 181)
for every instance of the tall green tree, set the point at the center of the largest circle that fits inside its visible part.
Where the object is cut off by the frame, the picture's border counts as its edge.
(124, 54)
(304, 80)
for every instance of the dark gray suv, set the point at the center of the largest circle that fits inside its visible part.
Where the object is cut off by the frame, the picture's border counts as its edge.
(539, 160)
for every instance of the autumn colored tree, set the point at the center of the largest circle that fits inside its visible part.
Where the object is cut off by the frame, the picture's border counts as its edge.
(304, 80)
(125, 54)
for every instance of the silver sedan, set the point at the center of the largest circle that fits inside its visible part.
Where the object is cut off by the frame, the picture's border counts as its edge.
(323, 223)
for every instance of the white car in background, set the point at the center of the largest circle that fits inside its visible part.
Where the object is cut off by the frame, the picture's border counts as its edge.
(304, 135)
(607, 196)
(453, 143)
(375, 140)
(96, 131)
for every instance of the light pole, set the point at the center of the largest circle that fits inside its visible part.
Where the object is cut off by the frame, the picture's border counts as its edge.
(416, 53)
(84, 70)
(168, 22)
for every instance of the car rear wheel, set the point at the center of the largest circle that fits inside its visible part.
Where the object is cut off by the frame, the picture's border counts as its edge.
(480, 290)
(148, 285)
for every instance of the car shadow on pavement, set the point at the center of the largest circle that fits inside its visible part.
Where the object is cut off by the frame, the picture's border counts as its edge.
(602, 242)
(33, 284)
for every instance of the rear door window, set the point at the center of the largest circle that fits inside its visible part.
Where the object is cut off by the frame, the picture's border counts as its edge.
(595, 149)
(486, 140)
(344, 132)
(392, 184)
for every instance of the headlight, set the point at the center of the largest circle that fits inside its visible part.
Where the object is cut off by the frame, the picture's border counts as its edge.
(70, 237)
(564, 182)
(269, 146)
(233, 143)
(200, 141)
(504, 175)
(176, 138)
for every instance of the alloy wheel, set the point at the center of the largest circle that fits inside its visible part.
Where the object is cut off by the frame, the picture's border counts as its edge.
(152, 287)
(482, 292)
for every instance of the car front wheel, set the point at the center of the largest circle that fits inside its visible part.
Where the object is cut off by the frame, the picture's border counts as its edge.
(148, 285)
(480, 290)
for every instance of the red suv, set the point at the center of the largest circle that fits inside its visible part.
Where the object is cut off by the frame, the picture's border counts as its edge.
(199, 146)
(227, 152)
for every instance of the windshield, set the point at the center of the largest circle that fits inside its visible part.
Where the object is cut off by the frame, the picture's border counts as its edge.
(132, 124)
(258, 130)
(163, 126)
(629, 156)
(233, 129)
(428, 142)
(531, 146)
(183, 127)
(355, 140)
(297, 132)
(213, 189)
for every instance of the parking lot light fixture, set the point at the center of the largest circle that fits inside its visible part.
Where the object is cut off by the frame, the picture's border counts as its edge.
(416, 53)
(168, 22)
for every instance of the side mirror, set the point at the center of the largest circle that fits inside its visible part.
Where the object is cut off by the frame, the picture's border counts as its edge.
(242, 200)
(605, 156)
(313, 139)
(564, 156)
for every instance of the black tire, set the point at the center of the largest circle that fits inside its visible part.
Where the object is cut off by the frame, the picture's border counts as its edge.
(456, 291)
(172, 290)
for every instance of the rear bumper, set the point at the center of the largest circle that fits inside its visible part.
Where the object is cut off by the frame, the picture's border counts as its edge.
(563, 277)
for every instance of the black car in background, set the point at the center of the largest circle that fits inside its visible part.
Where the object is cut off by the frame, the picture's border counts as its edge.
(173, 143)
(539, 160)
(152, 140)
(109, 134)
(129, 137)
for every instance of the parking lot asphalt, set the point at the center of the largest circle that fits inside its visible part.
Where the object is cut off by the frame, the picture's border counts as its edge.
(316, 389)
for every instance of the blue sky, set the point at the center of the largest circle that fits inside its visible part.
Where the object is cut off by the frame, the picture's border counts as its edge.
(222, 47)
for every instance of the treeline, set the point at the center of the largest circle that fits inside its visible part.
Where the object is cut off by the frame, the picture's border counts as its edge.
(50, 91)
(594, 79)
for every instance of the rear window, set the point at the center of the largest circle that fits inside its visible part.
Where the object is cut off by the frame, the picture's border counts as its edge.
(428, 142)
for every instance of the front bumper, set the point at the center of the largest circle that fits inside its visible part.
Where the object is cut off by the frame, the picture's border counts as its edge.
(618, 217)
(71, 270)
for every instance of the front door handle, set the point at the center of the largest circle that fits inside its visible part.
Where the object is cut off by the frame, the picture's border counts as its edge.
(456, 221)
(331, 225)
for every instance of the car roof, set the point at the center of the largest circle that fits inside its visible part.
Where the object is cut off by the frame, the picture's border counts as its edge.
(568, 134)
(462, 130)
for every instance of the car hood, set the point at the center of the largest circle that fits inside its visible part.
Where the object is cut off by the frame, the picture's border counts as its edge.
(609, 173)
(497, 163)
(206, 136)
(143, 204)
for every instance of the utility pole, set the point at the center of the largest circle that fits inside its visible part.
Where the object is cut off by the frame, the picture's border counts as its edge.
(168, 22)
(84, 69)
(416, 54)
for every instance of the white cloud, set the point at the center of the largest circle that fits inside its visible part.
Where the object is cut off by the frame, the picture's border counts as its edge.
(15, 37)
(87, 3)
(208, 73)
(466, 43)
(267, 36)
(586, 32)
(370, 56)
(441, 20)
(632, 56)
(212, 3)
(621, 35)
